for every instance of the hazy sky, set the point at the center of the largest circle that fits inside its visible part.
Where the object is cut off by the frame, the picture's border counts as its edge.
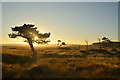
(72, 22)
(0, 23)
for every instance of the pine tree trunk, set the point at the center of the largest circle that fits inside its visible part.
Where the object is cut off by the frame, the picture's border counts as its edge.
(31, 45)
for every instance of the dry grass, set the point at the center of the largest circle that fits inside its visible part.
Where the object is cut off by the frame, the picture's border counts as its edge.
(53, 62)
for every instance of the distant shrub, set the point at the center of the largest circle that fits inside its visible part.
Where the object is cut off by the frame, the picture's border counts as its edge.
(77, 56)
(113, 50)
(12, 48)
(99, 50)
(50, 55)
(83, 51)
(66, 48)
(65, 56)
(118, 52)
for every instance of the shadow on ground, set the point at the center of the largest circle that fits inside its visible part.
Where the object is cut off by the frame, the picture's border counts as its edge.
(15, 59)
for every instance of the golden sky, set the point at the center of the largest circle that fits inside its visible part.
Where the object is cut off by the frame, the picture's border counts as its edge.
(71, 22)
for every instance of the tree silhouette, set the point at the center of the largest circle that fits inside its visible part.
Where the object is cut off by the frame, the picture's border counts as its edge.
(58, 42)
(105, 39)
(87, 45)
(63, 43)
(29, 32)
(106, 42)
(99, 40)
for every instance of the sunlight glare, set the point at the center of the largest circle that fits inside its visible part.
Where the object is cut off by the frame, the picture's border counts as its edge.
(36, 38)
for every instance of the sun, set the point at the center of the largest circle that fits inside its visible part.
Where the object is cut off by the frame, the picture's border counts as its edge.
(36, 38)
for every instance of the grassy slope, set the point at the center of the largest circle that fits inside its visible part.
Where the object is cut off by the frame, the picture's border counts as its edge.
(51, 62)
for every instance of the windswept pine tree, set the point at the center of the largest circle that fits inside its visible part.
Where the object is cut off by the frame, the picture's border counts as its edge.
(31, 34)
